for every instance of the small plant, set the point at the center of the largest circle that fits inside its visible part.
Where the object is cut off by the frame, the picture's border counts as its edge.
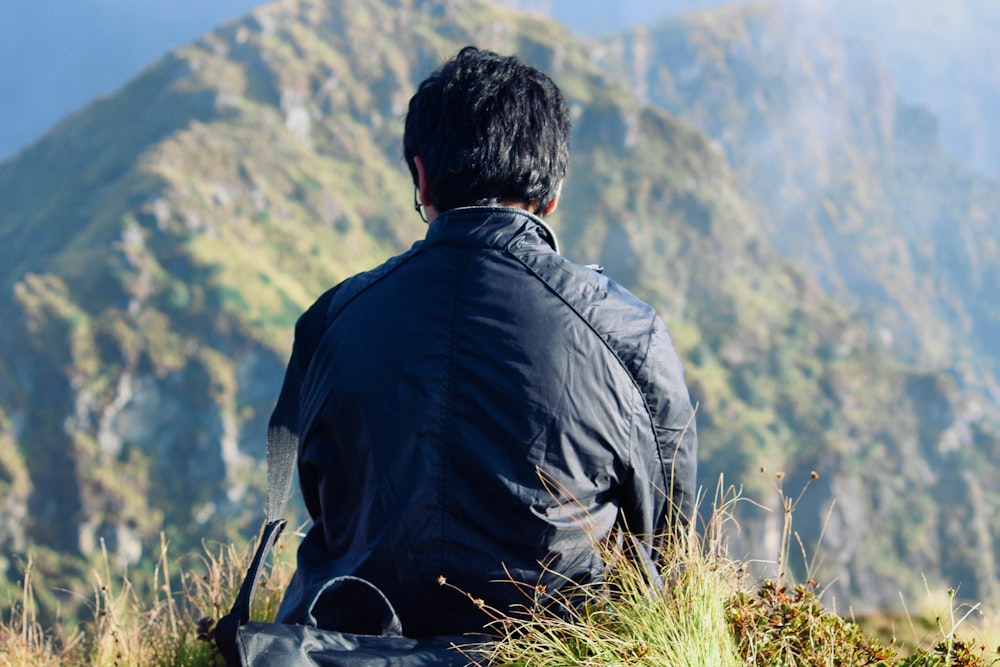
(622, 621)
(780, 626)
(951, 651)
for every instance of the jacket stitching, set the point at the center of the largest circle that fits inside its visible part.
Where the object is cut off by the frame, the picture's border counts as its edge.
(366, 280)
(446, 464)
(667, 485)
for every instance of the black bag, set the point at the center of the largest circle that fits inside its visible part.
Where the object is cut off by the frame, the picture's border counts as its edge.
(255, 644)
(263, 644)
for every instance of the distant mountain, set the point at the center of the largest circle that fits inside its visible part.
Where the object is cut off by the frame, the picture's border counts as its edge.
(156, 248)
(941, 55)
(849, 180)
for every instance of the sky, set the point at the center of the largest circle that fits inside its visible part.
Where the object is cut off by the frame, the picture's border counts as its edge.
(57, 55)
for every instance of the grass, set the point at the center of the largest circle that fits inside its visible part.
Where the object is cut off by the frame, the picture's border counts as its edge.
(709, 614)
(623, 620)
(706, 613)
(168, 625)
(625, 624)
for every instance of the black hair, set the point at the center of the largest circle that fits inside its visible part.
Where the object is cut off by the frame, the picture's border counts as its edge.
(489, 130)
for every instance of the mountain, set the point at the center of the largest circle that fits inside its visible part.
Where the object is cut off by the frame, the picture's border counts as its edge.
(850, 180)
(845, 178)
(157, 246)
(940, 55)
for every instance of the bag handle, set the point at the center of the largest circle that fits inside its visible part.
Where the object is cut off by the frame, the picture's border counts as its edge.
(355, 590)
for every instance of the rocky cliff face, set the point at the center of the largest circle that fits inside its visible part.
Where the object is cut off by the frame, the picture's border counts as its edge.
(158, 246)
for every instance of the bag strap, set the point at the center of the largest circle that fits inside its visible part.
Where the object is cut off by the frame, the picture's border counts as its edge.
(282, 452)
(282, 447)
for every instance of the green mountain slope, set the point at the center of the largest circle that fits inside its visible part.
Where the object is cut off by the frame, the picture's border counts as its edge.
(156, 248)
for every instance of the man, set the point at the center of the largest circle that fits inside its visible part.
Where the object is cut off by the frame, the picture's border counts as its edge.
(479, 408)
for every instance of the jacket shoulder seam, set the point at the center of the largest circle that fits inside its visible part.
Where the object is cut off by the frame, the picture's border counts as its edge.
(604, 338)
(353, 287)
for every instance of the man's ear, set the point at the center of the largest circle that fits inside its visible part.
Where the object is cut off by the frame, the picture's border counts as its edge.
(554, 203)
(422, 188)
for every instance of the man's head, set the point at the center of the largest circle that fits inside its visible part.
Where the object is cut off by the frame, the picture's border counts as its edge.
(488, 130)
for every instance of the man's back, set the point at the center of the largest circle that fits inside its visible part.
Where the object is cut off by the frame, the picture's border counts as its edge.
(480, 407)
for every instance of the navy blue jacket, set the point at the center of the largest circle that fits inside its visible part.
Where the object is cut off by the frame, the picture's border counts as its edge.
(480, 409)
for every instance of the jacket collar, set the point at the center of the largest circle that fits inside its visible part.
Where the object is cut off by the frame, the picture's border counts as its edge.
(494, 227)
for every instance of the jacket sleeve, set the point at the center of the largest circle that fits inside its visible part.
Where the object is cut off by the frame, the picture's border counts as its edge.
(663, 484)
(308, 330)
